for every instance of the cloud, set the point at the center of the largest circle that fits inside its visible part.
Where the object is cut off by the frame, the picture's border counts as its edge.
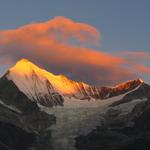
(143, 69)
(61, 45)
(135, 55)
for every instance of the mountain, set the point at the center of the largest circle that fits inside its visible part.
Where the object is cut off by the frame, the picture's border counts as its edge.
(121, 113)
(50, 90)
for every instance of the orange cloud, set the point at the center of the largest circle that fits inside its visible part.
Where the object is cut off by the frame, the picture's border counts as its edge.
(61, 46)
(135, 55)
(137, 61)
(59, 29)
(143, 69)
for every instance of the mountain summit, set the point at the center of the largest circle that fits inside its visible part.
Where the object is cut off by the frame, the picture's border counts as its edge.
(48, 89)
(115, 110)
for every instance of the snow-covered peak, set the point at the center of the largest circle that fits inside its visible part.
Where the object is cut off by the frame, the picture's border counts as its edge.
(25, 67)
(142, 81)
(41, 85)
(24, 71)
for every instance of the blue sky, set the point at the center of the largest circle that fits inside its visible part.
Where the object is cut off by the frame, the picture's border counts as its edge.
(124, 24)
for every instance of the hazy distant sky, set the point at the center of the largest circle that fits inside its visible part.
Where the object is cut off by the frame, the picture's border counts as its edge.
(124, 24)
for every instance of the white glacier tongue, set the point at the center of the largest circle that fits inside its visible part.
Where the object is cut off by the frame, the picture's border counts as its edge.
(72, 121)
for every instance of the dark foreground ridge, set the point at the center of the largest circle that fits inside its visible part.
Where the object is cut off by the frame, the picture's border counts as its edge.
(130, 131)
(22, 125)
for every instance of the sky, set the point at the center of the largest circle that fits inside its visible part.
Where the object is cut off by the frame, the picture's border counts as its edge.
(97, 41)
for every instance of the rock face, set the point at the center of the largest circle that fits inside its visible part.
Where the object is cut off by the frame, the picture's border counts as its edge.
(25, 131)
(11, 95)
(22, 125)
(50, 90)
(13, 137)
(142, 92)
(123, 128)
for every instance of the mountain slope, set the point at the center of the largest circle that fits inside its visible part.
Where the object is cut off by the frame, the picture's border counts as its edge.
(124, 116)
(50, 90)
(126, 121)
(10, 95)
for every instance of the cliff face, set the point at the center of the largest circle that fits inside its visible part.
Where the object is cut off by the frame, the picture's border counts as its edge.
(25, 131)
(13, 137)
(22, 124)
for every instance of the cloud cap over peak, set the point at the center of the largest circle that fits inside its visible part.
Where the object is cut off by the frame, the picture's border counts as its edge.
(62, 45)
